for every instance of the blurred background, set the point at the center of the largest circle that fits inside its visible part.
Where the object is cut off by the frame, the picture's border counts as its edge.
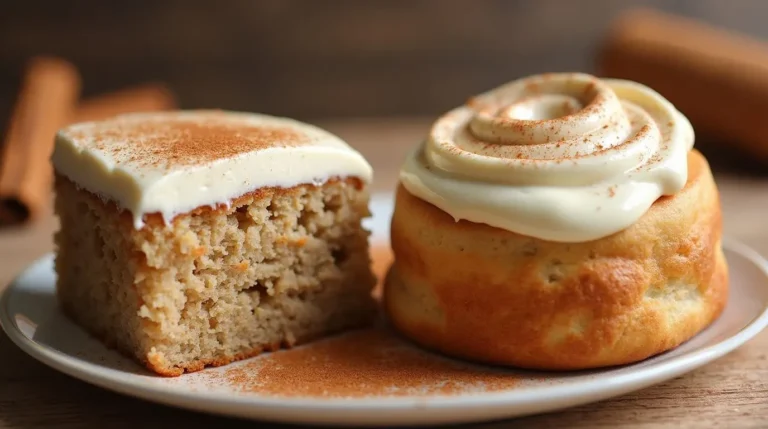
(324, 59)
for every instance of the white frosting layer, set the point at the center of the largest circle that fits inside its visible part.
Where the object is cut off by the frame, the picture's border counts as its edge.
(172, 163)
(560, 157)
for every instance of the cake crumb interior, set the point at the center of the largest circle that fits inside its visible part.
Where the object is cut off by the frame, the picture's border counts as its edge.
(280, 266)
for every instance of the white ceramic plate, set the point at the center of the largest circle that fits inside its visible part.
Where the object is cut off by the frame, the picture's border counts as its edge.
(29, 315)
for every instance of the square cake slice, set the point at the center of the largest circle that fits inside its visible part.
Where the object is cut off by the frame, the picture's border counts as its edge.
(196, 238)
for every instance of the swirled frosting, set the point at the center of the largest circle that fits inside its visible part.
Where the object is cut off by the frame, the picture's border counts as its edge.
(561, 157)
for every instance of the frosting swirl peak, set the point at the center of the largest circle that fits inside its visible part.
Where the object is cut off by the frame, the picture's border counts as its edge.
(562, 157)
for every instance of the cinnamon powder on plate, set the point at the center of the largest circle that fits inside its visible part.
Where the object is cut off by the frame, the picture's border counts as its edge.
(370, 362)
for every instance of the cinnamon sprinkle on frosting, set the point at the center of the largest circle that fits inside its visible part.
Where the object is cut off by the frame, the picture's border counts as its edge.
(526, 156)
(178, 140)
(174, 162)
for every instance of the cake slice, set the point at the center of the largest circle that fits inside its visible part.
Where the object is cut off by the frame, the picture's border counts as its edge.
(197, 238)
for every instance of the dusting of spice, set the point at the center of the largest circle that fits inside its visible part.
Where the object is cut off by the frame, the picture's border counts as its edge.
(365, 363)
(181, 139)
(546, 141)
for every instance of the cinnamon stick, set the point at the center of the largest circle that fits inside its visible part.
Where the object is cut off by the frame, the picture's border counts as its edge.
(47, 98)
(719, 79)
(149, 97)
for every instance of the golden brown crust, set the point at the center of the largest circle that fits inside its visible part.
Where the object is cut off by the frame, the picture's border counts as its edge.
(199, 365)
(486, 294)
(153, 363)
(159, 367)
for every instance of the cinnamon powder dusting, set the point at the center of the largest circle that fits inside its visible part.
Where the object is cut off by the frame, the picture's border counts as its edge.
(178, 140)
(371, 362)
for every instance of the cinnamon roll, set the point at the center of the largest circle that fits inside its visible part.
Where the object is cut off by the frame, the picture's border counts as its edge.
(559, 221)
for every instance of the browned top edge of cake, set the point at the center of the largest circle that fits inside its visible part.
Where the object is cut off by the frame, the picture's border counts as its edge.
(156, 220)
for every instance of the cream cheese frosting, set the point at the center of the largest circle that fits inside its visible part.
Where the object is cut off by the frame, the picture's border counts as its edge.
(563, 157)
(171, 163)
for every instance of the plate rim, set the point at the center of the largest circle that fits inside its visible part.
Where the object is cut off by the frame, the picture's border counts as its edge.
(214, 401)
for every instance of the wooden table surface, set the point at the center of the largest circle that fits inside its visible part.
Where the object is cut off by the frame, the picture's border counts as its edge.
(729, 393)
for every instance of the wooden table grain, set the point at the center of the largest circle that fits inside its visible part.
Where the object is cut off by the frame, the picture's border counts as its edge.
(731, 392)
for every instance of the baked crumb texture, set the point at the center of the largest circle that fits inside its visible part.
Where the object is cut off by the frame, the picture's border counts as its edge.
(278, 267)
